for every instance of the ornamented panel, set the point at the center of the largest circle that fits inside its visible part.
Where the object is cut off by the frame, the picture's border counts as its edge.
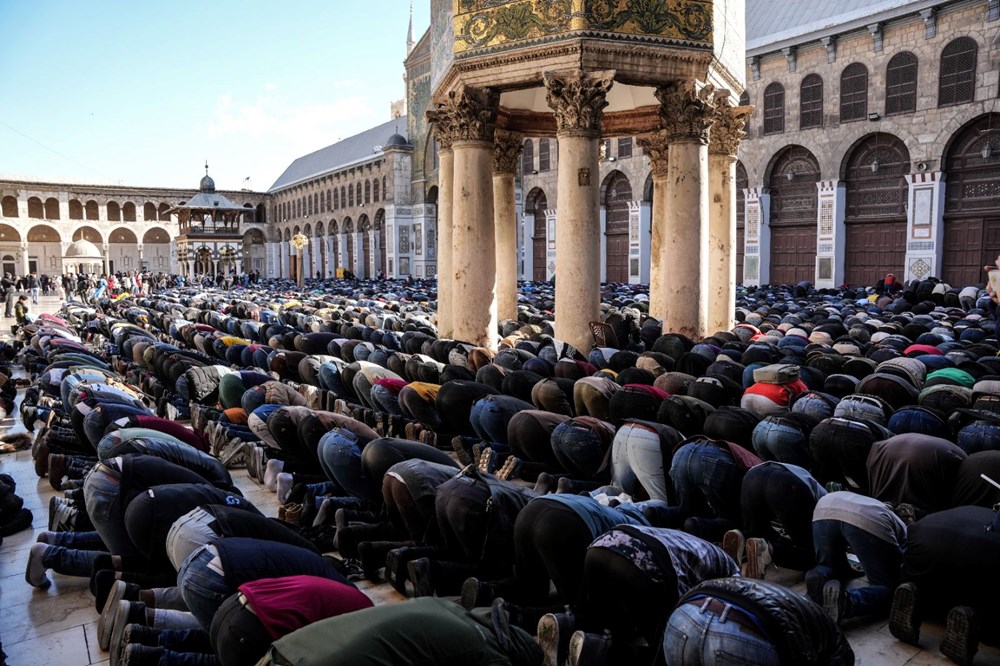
(404, 242)
(826, 218)
(492, 24)
(418, 242)
(753, 221)
(752, 268)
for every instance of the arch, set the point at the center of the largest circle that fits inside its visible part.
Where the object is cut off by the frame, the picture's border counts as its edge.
(122, 235)
(742, 183)
(527, 157)
(972, 200)
(745, 101)
(155, 235)
(854, 93)
(536, 206)
(75, 209)
(35, 209)
(774, 108)
(544, 155)
(8, 207)
(9, 234)
(44, 233)
(307, 231)
(647, 188)
(811, 102)
(128, 211)
(88, 234)
(162, 213)
(203, 261)
(9, 267)
(792, 178)
(901, 84)
(957, 77)
(616, 198)
(333, 228)
(319, 229)
(114, 212)
(288, 235)
(874, 171)
(149, 213)
(254, 251)
(296, 230)
(432, 195)
(52, 208)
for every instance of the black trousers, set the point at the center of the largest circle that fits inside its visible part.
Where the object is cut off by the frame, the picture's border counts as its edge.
(772, 495)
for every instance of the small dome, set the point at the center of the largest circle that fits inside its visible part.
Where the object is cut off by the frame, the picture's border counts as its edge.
(83, 249)
(396, 140)
(207, 184)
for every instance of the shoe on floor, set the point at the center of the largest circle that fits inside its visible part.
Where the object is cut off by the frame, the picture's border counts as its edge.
(961, 635)
(588, 649)
(758, 552)
(833, 600)
(419, 573)
(34, 571)
(904, 622)
(554, 632)
(476, 593)
(141, 655)
(734, 544)
(129, 612)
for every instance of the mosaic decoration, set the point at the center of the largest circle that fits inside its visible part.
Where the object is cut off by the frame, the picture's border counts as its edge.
(481, 24)
(404, 240)
(919, 269)
(751, 268)
(752, 221)
(826, 218)
(826, 268)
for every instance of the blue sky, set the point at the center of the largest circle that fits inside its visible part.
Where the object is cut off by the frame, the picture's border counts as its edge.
(142, 93)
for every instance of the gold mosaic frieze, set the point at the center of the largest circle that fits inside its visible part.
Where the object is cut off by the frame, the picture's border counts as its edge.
(498, 24)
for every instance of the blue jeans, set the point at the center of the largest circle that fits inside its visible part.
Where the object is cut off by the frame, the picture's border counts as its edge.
(203, 589)
(385, 400)
(637, 458)
(340, 457)
(880, 560)
(101, 495)
(577, 448)
(78, 540)
(779, 441)
(70, 561)
(694, 637)
(707, 482)
(489, 418)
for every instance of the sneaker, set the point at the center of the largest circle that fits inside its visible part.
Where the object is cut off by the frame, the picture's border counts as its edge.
(142, 635)
(104, 585)
(545, 484)
(463, 452)
(961, 635)
(120, 591)
(57, 470)
(554, 632)
(293, 513)
(485, 463)
(833, 600)
(814, 585)
(231, 453)
(904, 623)
(129, 612)
(476, 593)
(833, 486)
(372, 555)
(734, 544)
(419, 573)
(758, 552)
(510, 469)
(396, 562)
(588, 649)
(428, 437)
(34, 571)
(141, 655)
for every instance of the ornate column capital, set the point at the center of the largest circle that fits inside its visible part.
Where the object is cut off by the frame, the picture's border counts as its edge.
(657, 148)
(465, 114)
(507, 147)
(686, 111)
(578, 99)
(727, 130)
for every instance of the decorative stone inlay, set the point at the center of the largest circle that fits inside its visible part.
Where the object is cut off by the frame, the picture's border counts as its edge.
(728, 129)
(686, 111)
(752, 221)
(578, 99)
(507, 148)
(657, 148)
(826, 217)
(919, 269)
(465, 114)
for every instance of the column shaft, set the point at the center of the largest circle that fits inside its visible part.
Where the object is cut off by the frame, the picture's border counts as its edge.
(657, 285)
(578, 241)
(684, 268)
(505, 219)
(446, 175)
(722, 242)
(473, 270)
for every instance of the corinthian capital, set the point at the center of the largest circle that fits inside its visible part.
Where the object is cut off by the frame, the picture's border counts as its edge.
(727, 130)
(506, 151)
(686, 111)
(657, 148)
(577, 99)
(465, 114)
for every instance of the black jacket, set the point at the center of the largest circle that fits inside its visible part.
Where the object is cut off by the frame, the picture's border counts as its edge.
(800, 630)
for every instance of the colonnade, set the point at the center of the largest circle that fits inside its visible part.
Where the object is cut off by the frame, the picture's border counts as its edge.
(693, 259)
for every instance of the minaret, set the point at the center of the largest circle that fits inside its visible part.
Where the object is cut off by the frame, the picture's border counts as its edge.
(409, 33)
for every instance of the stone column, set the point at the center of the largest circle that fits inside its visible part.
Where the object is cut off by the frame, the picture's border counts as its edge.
(106, 248)
(24, 259)
(441, 120)
(657, 148)
(727, 132)
(472, 112)
(686, 112)
(506, 153)
(578, 99)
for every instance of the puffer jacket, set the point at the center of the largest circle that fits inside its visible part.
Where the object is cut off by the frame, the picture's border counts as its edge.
(800, 630)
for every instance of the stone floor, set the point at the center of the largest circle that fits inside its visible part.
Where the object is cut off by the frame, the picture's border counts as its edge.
(58, 625)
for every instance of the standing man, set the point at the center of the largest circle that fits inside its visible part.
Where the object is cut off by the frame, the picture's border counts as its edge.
(34, 286)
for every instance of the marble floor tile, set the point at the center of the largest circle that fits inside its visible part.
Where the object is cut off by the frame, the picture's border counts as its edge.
(67, 647)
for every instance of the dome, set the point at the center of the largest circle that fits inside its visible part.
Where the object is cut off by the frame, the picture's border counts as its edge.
(207, 184)
(83, 249)
(396, 141)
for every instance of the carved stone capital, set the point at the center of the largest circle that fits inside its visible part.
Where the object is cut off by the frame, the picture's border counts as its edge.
(727, 130)
(657, 148)
(578, 99)
(465, 114)
(686, 111)
(507, 147)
